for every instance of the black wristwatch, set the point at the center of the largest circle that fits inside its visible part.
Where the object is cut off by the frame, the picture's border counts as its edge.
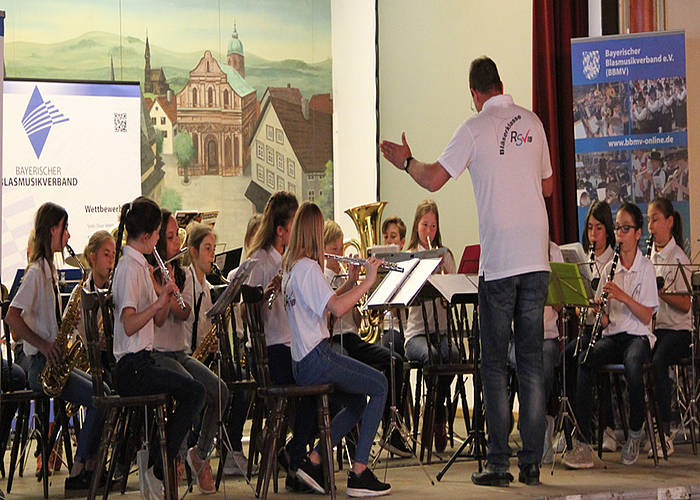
(406, 163)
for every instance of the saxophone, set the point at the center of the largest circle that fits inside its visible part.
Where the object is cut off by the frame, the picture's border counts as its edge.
(54, 376)
(204, 347)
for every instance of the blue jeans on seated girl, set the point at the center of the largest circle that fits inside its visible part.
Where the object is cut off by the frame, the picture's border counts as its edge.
(353, 382)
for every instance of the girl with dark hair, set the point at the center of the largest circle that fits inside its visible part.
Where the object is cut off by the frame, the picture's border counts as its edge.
(425, 235)
(626, 336)
(138, 309)
(308, 299)
(673, 319)
(35, 316)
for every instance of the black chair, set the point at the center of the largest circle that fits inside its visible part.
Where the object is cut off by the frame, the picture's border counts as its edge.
(277, 400)
(116, 406)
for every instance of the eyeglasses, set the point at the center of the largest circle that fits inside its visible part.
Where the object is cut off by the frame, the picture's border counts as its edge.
(624, 228)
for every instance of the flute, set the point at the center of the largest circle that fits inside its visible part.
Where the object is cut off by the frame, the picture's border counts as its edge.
(361, 262)
(179, 253)
(167, 277)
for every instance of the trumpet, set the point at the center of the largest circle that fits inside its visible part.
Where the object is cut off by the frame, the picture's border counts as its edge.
(167, 277)
(361, 262)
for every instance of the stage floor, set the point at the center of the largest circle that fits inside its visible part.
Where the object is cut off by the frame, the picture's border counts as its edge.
(677, 478)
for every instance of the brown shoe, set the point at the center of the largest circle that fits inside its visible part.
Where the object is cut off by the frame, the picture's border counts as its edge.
(440, 435)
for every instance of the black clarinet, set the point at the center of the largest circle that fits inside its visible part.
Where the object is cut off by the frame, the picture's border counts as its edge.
(598, 324)
(650, 245)
(584, 310)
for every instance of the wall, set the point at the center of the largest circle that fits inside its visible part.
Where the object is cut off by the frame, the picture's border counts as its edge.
(424, 53)
(684, 15)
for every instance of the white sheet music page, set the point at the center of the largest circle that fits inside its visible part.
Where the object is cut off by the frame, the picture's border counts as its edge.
(414, 282)
(451, 284)
(391, 283)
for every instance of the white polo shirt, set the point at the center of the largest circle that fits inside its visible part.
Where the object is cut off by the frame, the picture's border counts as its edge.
(172, 336)
(306, 294)
(132, 287)
(639, 281)
(191, 292)
(275, 319)
(600, 262)
(37, 301)
(345, 324)
(667, 317)
(551, 330)
(505, 149)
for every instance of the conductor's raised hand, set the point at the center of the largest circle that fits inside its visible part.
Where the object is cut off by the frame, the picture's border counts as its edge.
(396, 153)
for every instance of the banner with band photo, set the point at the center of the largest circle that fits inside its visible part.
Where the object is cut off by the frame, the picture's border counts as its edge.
(630, 121)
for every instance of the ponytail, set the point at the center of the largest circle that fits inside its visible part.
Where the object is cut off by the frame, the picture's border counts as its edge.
(677, 229)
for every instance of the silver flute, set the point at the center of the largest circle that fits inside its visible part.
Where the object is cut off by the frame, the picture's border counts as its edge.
(273, 295)
(179, 253)
(167, 277)
(361, 262)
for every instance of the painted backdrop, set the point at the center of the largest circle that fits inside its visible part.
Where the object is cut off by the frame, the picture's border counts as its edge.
(237, 96)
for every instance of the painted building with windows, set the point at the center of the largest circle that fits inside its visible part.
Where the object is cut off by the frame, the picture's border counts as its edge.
(290, 145)
(163, 112)
(218, 108)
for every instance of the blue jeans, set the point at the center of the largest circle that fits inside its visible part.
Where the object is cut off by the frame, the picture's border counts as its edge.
(78, 390)
(550, 360)
(631, 350)
(353, 381)
(671, 346)
(417, 350)
(517, 301)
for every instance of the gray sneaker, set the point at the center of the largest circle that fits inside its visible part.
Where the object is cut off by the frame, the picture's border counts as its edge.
(630, 451)
(581, 457)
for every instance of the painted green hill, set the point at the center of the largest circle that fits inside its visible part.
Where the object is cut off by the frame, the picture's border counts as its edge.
(87, 58)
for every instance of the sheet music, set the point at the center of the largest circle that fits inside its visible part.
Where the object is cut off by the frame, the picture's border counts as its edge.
(415, 280)
(391, 283)
(233, 287)
(450, 285)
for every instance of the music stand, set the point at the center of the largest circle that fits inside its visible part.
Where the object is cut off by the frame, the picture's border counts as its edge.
(567, 289)
(398, 290)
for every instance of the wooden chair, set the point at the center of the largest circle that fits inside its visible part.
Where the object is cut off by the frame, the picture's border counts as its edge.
(277, 399)
(92, 302)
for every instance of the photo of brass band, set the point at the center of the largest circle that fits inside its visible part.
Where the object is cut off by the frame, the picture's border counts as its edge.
(350, 248)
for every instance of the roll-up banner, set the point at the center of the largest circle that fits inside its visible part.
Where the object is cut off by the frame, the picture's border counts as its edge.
(630, 121)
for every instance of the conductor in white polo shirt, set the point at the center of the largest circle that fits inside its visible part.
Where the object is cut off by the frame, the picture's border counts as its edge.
(505, 149)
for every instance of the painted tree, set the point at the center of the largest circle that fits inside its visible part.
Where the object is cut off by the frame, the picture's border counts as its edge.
(184, 152)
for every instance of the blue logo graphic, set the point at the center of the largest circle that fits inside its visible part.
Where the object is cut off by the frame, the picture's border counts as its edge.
(38, 119)
(591, 64)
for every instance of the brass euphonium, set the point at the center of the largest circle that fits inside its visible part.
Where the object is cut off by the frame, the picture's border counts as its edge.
(54, 376)
(367, 219)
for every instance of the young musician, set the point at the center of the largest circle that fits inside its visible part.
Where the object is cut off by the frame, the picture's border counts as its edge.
(598, 240)
(308, 298)
(137, 311)
(394, 232)
(35, 316)
(426, 235)
(626, 336)
(673, 319)
(348, 342)
(173, 339)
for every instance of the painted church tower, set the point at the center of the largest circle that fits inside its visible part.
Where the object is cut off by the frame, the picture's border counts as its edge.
(234, 54)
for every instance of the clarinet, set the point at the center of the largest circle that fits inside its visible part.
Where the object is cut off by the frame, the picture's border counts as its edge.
(584, 310)
(598, 324)
(167, 277)
(650, 245)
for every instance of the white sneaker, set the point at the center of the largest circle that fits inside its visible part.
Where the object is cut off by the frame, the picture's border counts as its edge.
(659, 451)
(630, 451)
(236, 464)
(609, 440)
(154, 486)
(581, 457)
(547, 450)
(559, 443)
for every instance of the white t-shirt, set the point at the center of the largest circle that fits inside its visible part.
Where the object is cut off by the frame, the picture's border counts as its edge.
(306, 294)
(639, 281)
(172, 336)
(414, 324)
(345, 324)
(37, 301)
(551, 330)
(667, 317)
(505, 149)
(191, 292)
(132, 287)
(275, 319)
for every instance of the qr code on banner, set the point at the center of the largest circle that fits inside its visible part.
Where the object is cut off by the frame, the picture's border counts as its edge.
(120, 122)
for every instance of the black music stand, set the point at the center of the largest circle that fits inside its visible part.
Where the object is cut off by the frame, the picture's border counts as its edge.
(567, 289)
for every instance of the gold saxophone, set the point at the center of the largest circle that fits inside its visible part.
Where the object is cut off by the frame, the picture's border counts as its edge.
(54, 376)
(204, 347)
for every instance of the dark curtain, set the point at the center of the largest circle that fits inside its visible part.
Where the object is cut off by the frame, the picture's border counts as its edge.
(554, 24)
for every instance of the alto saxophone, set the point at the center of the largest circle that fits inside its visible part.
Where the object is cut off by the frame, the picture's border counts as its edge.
(54, 376)
(203, 348)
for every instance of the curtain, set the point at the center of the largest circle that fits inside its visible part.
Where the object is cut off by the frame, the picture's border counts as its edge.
(554, 24)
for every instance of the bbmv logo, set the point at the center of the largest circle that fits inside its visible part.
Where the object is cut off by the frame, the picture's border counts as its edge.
(38, 119)
(591, 64)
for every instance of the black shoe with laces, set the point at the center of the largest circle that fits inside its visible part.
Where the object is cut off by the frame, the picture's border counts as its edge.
(492, 478)
(294, 485)
(396, 445)
(311, 475)
(366, 485)
(529, 474)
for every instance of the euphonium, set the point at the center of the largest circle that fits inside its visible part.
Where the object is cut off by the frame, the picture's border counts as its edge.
(367, 219)
(54, 376)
